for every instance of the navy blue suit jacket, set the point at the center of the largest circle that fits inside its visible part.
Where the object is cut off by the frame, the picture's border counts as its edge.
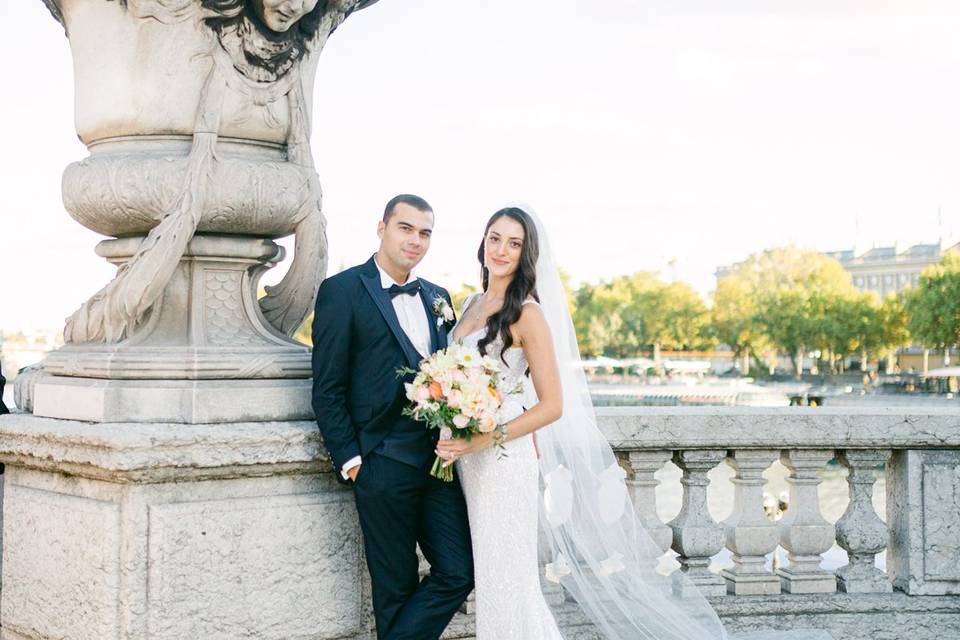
(358, 346)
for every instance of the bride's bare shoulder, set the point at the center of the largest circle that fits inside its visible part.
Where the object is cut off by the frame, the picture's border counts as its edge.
(531, 329)
(532, 317)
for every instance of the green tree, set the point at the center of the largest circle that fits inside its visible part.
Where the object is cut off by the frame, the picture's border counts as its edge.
(778, 298)
(733, 318)
(785, 318)
(933, 307)
(602, 320)
(680, 317)
(630, 314)
(850, 324)
(891, 331)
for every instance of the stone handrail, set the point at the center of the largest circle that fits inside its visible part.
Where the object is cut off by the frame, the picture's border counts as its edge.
(651, 428)
(919, 452)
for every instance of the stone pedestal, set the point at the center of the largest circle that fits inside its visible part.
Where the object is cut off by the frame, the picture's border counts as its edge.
(205, 354)
(190, 503)
(176, 531)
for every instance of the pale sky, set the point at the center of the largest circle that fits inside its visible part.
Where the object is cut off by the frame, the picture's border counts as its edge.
(645, 133)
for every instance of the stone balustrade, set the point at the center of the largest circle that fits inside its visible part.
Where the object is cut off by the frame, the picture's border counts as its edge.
(264, 495)
(917, 454)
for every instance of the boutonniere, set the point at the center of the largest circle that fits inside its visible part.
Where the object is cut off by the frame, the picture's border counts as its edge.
(443, 311)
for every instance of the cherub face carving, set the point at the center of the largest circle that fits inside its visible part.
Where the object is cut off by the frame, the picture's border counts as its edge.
(280, 15)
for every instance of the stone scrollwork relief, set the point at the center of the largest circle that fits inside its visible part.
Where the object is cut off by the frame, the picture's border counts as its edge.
(113, 312)
(256, 49)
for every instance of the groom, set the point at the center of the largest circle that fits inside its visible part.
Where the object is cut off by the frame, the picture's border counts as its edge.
(371, 320)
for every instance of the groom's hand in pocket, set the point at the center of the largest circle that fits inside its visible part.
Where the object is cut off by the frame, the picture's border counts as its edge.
(353, 471)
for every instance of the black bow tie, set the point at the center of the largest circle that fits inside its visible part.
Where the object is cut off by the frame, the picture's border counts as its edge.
(411, 289)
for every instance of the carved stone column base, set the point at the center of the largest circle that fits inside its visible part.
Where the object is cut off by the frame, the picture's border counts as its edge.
(749, 579)
(698, 573)
(861, 576)
(133, 530)
(207, 325)
(204, 353)
(801, 582)
(176, 401)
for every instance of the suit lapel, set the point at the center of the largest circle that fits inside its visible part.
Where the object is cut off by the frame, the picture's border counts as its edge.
(371, 283)
(427, 296)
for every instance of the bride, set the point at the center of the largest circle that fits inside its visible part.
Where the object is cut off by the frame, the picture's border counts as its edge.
(601, 554)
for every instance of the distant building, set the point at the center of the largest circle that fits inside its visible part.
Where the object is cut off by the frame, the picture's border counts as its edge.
(886, 270)
(883, 270)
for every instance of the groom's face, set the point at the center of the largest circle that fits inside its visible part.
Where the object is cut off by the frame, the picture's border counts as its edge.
(405, 237)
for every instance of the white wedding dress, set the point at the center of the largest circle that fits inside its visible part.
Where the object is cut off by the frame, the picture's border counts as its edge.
(601, 553)
(503, 498)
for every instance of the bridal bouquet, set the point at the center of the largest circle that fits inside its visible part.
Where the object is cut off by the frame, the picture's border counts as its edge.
(456, 390)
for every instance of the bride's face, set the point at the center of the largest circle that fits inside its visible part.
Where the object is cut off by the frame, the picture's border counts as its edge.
(502, 247)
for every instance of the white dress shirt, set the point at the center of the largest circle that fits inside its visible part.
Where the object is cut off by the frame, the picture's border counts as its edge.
(414, 322)
(410, 312)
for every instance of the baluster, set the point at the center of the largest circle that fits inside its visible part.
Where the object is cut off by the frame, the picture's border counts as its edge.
(697, 536)
(641, 485)
(803, 530)
(750, 534)
(861, 531)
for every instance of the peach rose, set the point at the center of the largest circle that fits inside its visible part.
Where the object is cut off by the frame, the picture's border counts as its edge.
(422, 393)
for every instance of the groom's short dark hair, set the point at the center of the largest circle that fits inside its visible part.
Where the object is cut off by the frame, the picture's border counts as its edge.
(416, 202)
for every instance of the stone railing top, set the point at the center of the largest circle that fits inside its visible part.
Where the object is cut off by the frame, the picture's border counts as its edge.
(781, 428)
(121, 452)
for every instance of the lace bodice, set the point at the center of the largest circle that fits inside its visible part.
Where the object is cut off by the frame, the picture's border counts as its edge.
(513, 373)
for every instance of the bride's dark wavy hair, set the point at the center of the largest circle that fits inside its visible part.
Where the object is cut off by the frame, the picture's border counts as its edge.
(522, 286)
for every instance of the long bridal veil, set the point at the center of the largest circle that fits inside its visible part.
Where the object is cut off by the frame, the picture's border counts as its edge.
(601, 554)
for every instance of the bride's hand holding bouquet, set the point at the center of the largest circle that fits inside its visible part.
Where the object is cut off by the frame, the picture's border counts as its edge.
(458, 391)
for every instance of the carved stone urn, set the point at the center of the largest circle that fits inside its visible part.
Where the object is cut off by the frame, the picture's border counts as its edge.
(196, 114)
(170, 483)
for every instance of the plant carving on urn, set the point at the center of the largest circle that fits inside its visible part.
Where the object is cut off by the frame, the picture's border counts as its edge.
(197, 117)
